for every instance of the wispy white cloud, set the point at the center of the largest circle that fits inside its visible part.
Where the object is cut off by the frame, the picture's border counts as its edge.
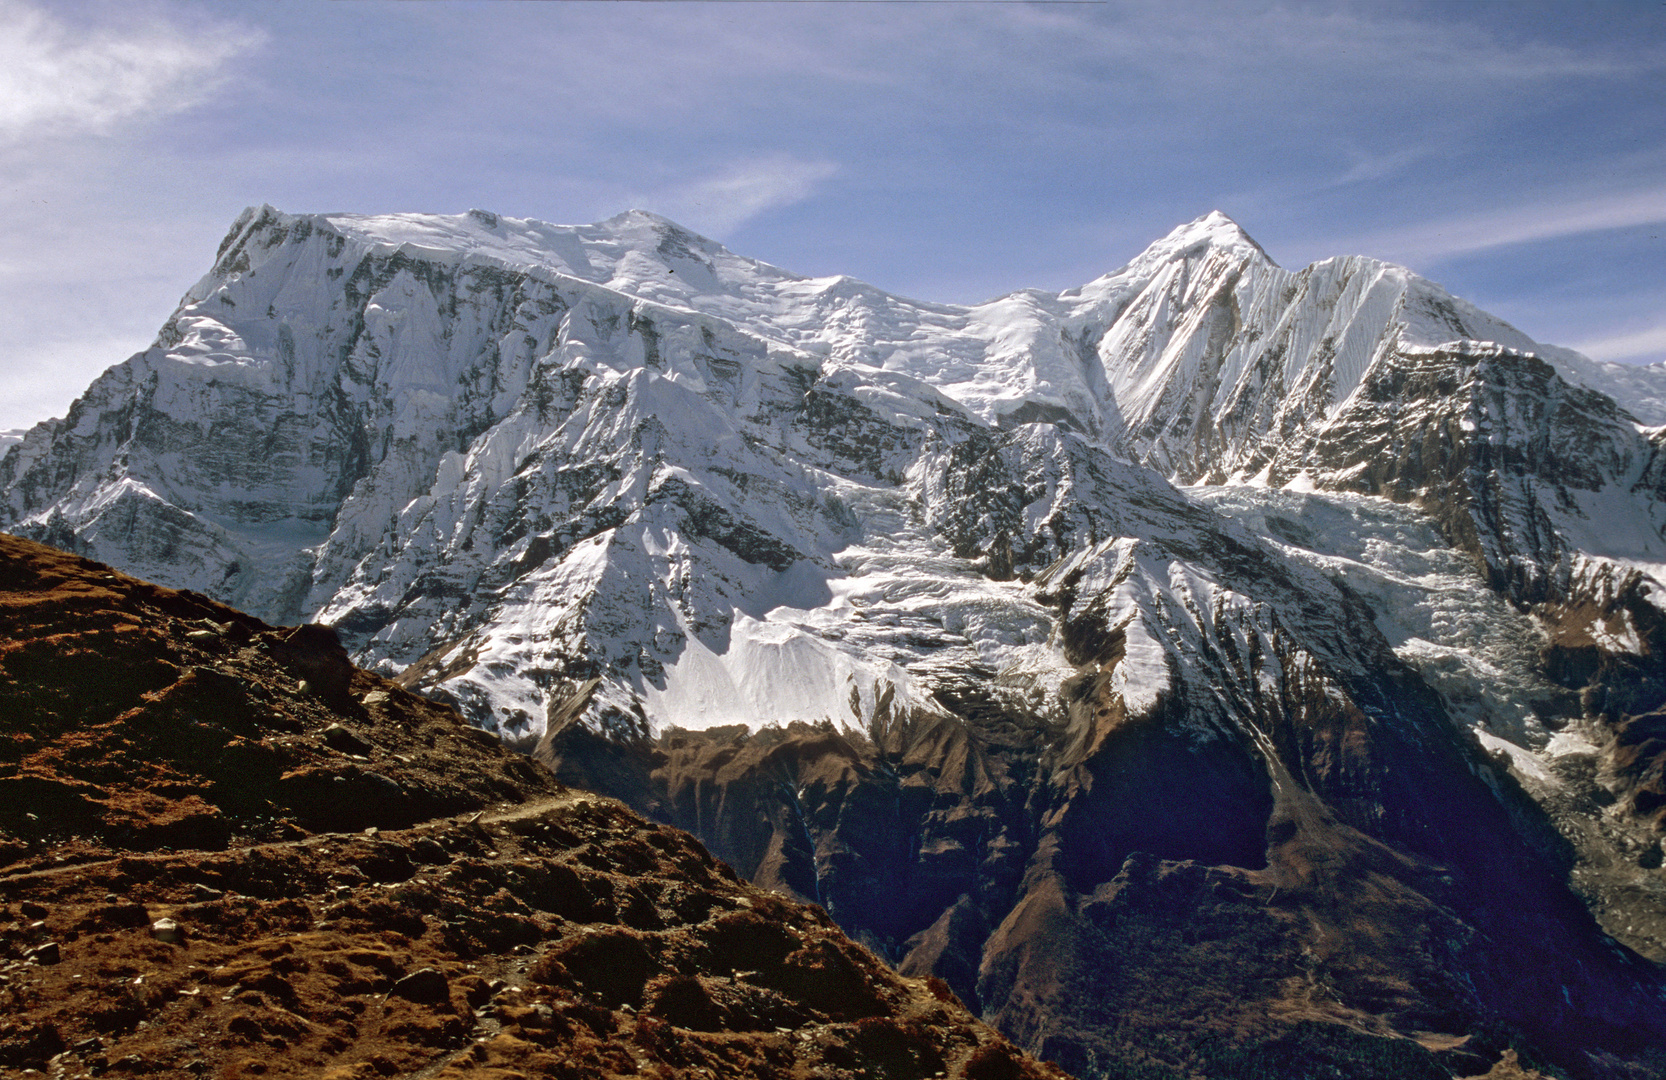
(1368, 166)
(1642, 345)
(728, 199)
(56, 79)
(1319, 59)
(1461, 235)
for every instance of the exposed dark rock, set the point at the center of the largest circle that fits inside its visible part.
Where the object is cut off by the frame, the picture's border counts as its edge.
(425, 985)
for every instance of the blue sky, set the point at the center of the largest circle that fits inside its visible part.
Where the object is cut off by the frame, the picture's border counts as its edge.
(1514, 152)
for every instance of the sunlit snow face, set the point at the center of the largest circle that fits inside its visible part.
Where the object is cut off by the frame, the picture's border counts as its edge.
(737, 495)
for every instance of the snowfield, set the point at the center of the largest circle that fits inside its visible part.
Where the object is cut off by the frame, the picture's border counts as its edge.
(531, 456)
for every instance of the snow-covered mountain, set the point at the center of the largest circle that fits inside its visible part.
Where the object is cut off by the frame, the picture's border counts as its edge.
(1340, 537)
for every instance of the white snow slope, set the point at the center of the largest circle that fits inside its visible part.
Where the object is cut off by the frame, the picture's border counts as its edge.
(531, 455)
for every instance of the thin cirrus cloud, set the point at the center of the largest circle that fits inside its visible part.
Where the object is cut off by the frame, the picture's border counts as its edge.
(56, 79)
(1433, 241)
(724, 201)
(1643, 344)
(88, 257)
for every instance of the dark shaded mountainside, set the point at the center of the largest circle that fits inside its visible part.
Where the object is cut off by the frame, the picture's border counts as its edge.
(226, 852)
(1130, 904)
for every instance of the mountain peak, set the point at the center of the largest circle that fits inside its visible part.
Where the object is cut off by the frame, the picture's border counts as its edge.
(658, 224)
(637, 215)
(1213, 230)
(667, 238)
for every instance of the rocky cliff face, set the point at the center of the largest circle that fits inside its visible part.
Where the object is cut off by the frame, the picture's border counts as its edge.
(1320, 601)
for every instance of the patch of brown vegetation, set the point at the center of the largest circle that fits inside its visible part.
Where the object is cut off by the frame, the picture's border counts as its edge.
(563, 938)
(1637, 760)
(138, 718)
(200, 880)
(1509, 1068)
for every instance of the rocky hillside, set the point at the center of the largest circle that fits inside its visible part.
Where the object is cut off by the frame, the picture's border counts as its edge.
(1313, 612)
(1143, 907)
(226, 852)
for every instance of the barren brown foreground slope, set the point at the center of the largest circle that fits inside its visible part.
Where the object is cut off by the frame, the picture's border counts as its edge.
(226, 852)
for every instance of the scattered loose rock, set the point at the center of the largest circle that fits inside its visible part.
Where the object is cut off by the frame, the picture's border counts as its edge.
(338, 737)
